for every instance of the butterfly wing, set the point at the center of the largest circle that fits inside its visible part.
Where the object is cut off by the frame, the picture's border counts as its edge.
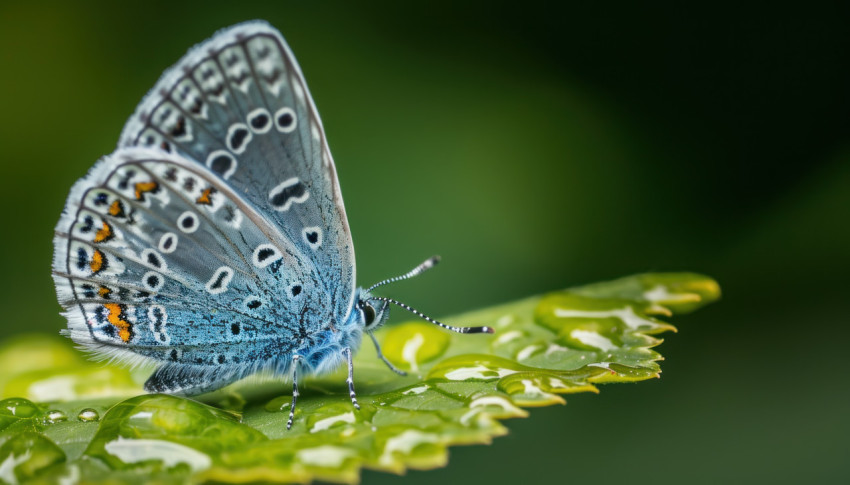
(238, 104)
(228, 243)
(156, 258)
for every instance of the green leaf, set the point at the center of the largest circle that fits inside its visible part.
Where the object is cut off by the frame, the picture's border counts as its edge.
(67, 417)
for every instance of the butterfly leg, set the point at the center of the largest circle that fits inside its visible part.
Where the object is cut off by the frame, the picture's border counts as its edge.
(384, 359)
(350, 380)
(295, 360)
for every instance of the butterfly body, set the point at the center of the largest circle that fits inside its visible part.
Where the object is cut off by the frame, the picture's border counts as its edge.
(214, 242)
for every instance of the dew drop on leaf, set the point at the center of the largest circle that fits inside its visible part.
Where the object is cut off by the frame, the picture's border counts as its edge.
(18, 407)
(88, 415)
(54, 416)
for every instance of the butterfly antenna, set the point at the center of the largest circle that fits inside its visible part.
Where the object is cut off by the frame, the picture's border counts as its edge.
(431, 320)
(423, 267)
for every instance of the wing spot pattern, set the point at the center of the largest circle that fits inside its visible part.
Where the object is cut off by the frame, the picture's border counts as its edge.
(222, 163)
(158, 317)
(219, 281)
(188, 222)
(151, 258)
(265, 254)
(260, 120)
(238, 137)
(117, 318)
(288, 192)
(168, 242)
(285, 120)
(252, 303)
(313, 237)
(99, 262)
(153, 280)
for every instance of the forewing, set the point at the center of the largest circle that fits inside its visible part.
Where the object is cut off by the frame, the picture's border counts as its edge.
(156, 257)
(238, 104)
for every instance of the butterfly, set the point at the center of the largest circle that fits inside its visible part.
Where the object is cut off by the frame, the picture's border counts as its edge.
(214, 242)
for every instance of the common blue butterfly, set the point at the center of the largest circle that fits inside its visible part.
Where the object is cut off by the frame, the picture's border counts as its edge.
(214, 242)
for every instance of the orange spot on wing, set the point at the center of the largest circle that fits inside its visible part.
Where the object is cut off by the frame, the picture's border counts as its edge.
(144, 187)
(98, 262)
(104, 292)
(116, 209)
(103, 234)
(204, 199)
(115, 319)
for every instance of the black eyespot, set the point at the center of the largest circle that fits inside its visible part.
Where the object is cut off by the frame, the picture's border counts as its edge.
(219, 277)
(221, 164)
(220, 359)
(264, 253)
(254, 304)
(260, 121)
(167, 242)
(234, 328)
(238, 138)
(285, 120)
(296, 290)
(153, 281)
(153, 260)
(313, 237)
(187, 222)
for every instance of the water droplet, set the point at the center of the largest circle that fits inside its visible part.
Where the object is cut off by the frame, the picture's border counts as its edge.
(88, 414)
(54, 416)
(18, 407)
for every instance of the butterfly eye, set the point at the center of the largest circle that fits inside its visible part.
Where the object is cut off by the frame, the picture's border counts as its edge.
(368, 313)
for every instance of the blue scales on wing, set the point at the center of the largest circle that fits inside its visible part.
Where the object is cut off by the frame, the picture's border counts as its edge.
(238, 105)
(156, 259)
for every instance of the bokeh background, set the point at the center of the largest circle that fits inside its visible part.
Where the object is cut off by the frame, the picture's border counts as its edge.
(534, 147)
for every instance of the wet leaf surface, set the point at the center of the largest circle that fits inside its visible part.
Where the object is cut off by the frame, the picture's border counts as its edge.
(66, 418)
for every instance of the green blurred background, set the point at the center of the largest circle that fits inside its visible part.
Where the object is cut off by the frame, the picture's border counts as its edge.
(534, 148)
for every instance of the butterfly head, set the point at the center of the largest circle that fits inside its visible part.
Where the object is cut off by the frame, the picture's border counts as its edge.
(373, 311)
